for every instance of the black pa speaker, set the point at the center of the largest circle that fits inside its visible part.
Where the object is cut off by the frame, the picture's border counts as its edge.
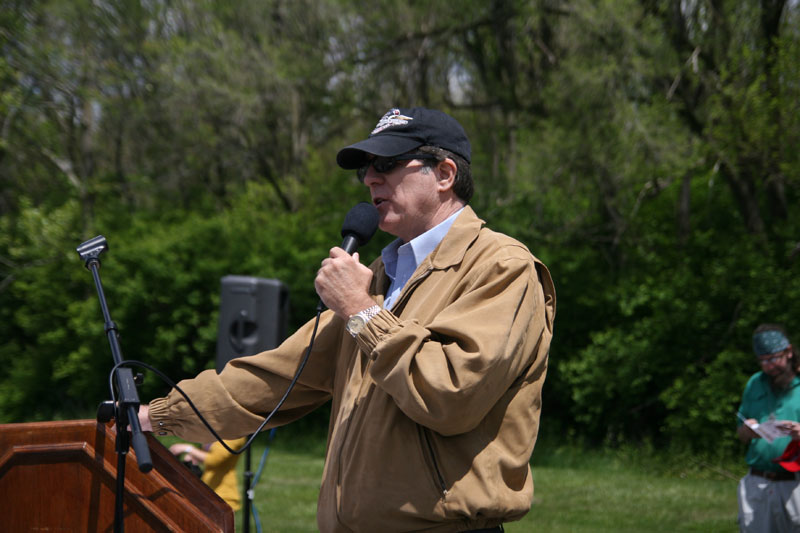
(253, 314)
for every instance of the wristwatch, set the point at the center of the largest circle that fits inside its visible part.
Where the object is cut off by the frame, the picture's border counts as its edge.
(357, 321)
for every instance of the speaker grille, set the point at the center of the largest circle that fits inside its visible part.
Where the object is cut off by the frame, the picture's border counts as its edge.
(253, 315)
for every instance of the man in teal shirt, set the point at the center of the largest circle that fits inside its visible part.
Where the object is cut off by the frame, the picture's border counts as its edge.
(769, 495)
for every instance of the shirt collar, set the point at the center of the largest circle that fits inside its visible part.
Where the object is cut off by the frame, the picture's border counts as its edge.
(419, 246)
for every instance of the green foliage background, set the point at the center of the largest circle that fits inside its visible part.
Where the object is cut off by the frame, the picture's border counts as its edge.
(646, 150)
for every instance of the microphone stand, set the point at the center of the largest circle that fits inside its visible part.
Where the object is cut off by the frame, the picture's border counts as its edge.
(126, 409)
(248, 491)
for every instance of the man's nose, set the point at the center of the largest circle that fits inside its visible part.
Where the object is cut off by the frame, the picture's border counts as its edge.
(372, 176)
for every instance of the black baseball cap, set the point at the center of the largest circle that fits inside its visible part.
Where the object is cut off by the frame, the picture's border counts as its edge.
(401, 130)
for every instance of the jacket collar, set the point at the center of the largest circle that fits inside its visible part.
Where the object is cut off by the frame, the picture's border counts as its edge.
(454, 246)
(449, 252)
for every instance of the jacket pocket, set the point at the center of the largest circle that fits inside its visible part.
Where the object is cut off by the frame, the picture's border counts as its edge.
(387, 479)
(428, 452)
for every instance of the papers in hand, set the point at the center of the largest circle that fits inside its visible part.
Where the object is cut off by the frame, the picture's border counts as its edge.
(768, 430)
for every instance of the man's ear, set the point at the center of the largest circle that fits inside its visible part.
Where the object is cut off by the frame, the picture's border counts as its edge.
(446, 174)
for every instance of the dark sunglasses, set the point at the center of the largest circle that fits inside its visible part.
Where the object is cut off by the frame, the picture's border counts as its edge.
(386, 164)
(771, 360)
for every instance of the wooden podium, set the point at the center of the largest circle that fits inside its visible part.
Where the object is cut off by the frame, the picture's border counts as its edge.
(61, 476)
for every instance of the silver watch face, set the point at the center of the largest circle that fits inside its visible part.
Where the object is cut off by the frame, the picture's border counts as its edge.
(355, 324)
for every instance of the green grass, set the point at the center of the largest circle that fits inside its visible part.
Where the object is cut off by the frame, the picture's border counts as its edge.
(630, 490)
(621, 491)
(604, 499)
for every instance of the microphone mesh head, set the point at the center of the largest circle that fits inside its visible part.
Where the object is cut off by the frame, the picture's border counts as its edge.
(361, 222)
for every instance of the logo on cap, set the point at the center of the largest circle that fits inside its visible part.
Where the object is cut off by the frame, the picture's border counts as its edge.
(390, 119)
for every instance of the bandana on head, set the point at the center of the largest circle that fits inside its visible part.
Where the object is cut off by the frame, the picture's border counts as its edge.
(767, 342)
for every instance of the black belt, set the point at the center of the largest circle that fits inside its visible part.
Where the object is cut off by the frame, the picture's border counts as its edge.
(779, 475)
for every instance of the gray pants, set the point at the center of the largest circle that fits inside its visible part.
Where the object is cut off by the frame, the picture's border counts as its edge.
(767, 506)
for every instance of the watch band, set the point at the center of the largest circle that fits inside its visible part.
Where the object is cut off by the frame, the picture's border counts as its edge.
(370, 312)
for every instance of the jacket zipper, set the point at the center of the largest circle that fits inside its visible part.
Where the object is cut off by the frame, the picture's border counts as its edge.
(345, 436)
(405, 295)
(409, 288)
(436, 469)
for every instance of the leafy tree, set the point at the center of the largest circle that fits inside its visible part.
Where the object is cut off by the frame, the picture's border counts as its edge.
(644, 149)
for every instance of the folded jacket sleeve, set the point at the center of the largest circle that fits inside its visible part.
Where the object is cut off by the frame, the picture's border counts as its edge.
(472, 351)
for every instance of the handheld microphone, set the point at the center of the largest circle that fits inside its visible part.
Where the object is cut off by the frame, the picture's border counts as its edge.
(359, 225)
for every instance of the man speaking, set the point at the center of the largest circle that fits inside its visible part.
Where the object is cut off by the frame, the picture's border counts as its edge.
(434, 356)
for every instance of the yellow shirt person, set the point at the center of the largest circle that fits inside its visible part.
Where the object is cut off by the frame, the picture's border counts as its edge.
(219, 467)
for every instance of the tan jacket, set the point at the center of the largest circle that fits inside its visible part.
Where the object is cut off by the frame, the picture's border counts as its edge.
(436, 404)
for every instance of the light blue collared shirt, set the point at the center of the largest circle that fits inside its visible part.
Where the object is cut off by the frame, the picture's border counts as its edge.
(401, 260)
